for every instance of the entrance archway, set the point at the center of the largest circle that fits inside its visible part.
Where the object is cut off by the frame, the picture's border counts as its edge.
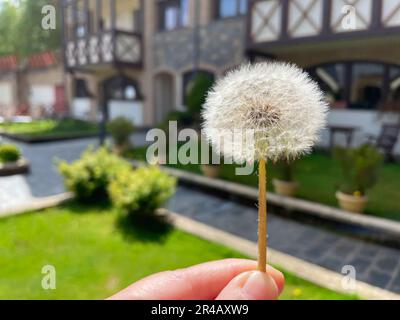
(164, 95)
(123, 99)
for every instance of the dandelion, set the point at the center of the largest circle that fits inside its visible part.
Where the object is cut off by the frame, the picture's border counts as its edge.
(280, 104)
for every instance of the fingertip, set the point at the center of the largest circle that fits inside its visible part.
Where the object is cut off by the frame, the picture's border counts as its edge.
(254, 285)
(278, 277)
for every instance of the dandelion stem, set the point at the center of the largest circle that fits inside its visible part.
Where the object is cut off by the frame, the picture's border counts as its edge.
(262, 216)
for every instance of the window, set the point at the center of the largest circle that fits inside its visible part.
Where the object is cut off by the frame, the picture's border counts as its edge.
(358, 84)
(121, 88)
(331, 79)
(173, 14)
(81, 89)
(367, 85)
(231, 8)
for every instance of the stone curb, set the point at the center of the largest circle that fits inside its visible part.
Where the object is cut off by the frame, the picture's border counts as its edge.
(302, 269)
(386, 226)
(37, 204)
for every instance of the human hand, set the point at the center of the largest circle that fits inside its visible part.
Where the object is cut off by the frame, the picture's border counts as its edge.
(231, 279)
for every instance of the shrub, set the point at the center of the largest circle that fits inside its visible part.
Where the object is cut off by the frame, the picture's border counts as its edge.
(89, 177)
(197, 94)
(284, 171)
(142, 191)
(120, 129)
(183, 118)
(9, 153)
(360, 168)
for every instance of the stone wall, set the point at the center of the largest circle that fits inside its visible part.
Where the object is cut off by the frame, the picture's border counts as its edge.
(221, 46)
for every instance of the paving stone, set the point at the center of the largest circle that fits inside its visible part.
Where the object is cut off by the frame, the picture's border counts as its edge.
(360, 264)
(332, 263)
(379, 279)
(388, 263)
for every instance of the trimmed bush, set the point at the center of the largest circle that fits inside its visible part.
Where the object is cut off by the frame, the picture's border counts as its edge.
(88, 178)
(120, 129)
(9, 153)
(142, 191)
(360, 167)
(197, 94)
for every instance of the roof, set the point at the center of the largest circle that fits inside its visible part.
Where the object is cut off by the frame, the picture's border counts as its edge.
(42, 60)
(8, 63)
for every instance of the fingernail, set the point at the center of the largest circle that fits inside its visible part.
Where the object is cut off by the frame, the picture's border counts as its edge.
(260, 286)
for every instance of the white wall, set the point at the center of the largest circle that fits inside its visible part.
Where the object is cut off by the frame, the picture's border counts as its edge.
(368, 122)
(132, 110)
(6, 98)
(42, 96)
(81, 108)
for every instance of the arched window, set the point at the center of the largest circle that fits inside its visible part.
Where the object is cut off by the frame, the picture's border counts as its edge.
(121, 88)
(358, 84)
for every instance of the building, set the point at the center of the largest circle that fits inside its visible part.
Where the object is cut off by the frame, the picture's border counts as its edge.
(136, 58)
(33, 86)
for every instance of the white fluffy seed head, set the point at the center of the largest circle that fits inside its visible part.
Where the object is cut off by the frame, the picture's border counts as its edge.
(276, 101)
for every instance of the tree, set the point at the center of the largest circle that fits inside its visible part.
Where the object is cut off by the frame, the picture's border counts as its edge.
(21, 31)
(32, 38)
(8, 21)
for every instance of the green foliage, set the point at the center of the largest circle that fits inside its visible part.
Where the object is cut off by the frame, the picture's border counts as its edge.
(142, 191)
(120, 129)
(9, 153)
(21, 28)
(89, 176)
(284, 170)
(8, 20)
(183, 118)
(360, 167)
(197, 93)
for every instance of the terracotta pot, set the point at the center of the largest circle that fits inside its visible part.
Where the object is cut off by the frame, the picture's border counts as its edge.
(351, 203)
(285, 188)
(210, 170)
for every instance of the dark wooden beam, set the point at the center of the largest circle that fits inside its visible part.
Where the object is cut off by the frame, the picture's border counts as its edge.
(326, 17)
(99, 14)
(113, 14)
(285, 19)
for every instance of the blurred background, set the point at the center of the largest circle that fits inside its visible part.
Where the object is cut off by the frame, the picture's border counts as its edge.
(75, 73)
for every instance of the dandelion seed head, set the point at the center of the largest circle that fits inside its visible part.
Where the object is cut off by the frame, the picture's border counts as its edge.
(276, 101)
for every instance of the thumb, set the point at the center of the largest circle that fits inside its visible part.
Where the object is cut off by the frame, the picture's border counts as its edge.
(253, 285)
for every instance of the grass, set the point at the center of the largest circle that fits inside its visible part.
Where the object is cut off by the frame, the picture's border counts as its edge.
(50, 128)
(318, 175)
(96, 254)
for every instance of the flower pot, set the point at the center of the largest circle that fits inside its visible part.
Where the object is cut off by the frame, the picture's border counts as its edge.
(285, 188)
(210, 170)
(351, 203)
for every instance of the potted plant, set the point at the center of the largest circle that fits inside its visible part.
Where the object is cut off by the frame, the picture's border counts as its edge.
(121, 129)
(210, 169)
(11, 160)
(360, 167)
(284, 182)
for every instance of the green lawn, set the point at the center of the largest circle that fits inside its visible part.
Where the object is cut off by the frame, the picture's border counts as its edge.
(95, 254)
(50, 128)
(319, 175)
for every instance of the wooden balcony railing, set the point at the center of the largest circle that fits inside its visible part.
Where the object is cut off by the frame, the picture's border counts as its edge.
(288, 21)
(107, 47)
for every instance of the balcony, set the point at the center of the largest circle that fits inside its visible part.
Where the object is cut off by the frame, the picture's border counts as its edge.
(285, 22)
(108, 47)
(102, 33)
